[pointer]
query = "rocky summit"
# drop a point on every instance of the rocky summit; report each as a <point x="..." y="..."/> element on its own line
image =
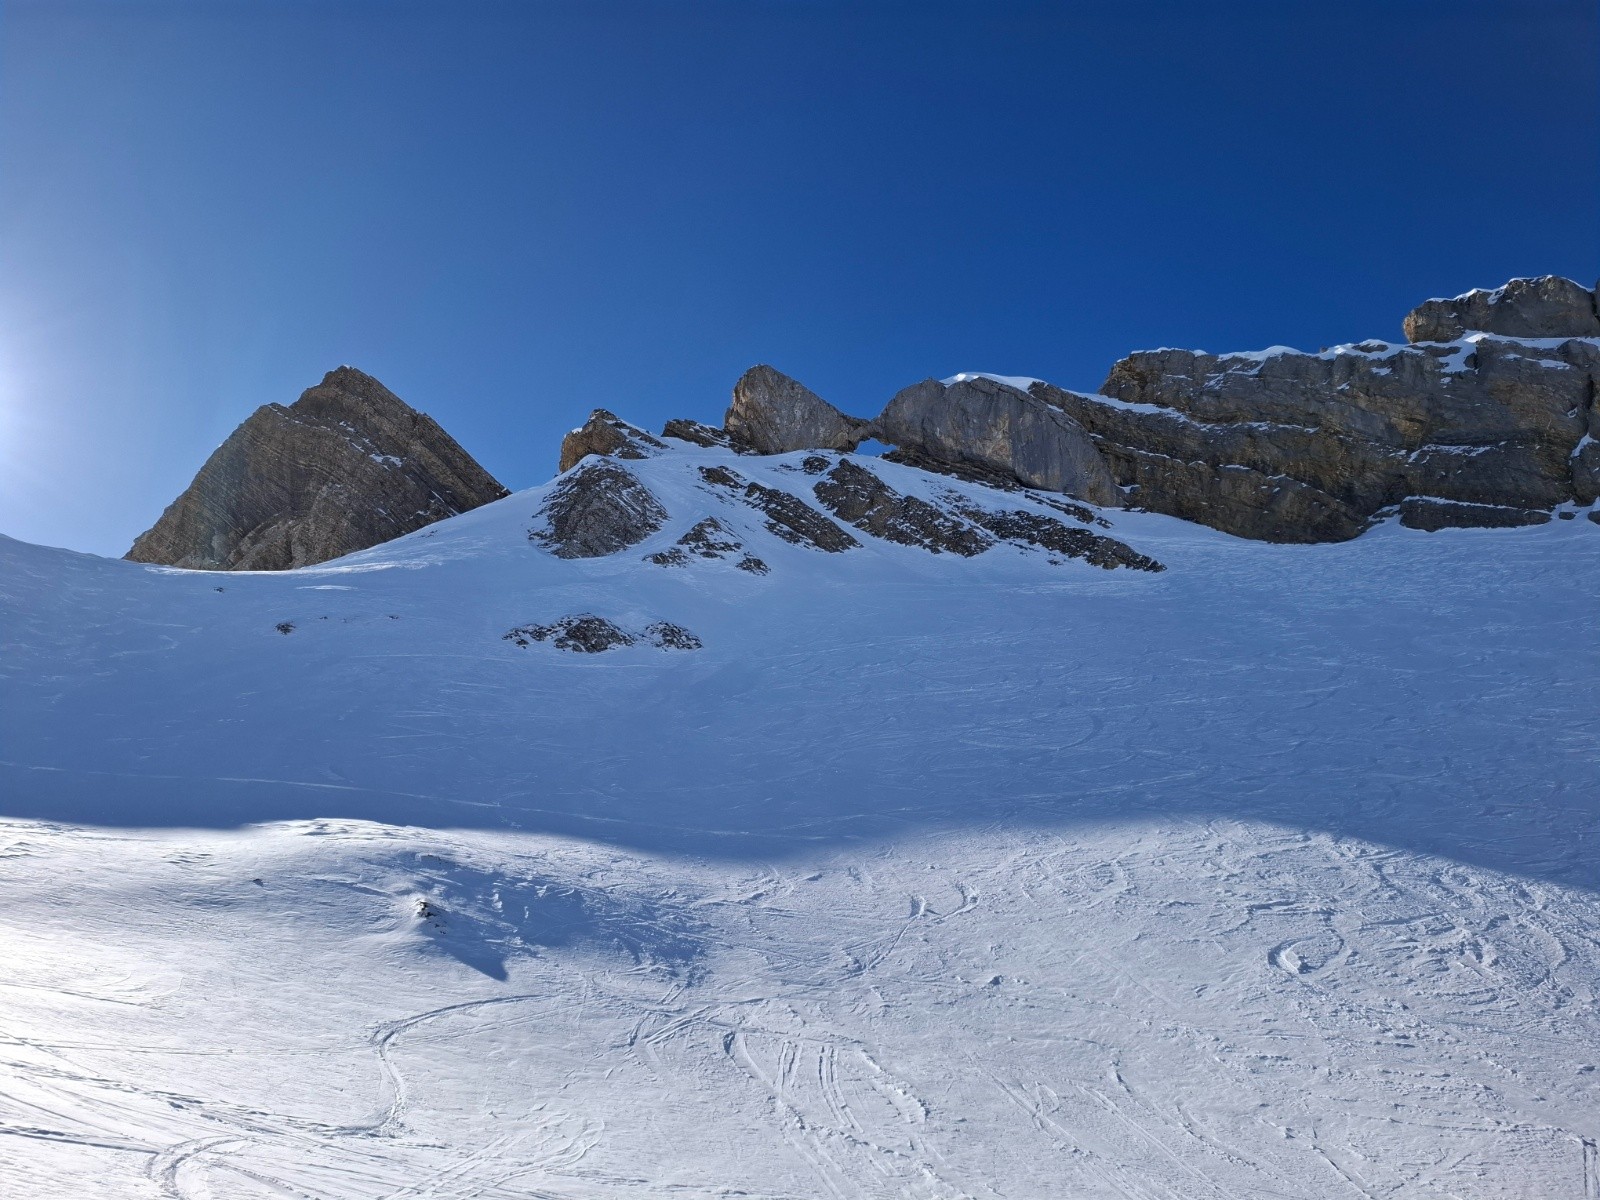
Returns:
<point x="346" y="466"/>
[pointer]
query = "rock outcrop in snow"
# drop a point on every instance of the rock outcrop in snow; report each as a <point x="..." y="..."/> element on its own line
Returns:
<point x="599" y="509"/>
<point x="605" y="433"/>
<point x="709" y="539"/>
<point x="786" y="515"/>
<point x="585" y="633"/>
<point x="346" y="466"/>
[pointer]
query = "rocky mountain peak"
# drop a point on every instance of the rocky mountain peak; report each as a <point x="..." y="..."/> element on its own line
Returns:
<point x="348" y="394"/>
<point x="346" y="466"/>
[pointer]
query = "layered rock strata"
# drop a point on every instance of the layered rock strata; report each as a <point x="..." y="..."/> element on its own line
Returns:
<point x="1292" y="447"/>
<point x="346" y="466"/>
<point x="1488" y="418"/>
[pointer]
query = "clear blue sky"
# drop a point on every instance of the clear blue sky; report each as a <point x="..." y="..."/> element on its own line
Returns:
<point x="513" y="213"/>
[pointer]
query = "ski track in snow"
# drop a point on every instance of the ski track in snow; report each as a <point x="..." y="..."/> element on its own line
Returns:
<point x="1270" y="876"/>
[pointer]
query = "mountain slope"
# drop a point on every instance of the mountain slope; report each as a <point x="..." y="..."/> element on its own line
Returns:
<point x="936" y="875"/>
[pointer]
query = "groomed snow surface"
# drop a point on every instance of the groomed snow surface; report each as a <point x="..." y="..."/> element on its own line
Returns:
<point x="1272" y="875"/>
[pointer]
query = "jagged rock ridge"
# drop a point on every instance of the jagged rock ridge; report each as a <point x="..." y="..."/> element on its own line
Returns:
<point x="1489" y="418"/>
<point x="346" y="466"/>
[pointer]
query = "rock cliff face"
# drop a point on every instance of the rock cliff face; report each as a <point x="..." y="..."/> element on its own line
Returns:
<point x="599" y="509"/>
<point x="773" y="414"/>
<point x="347" y="466"/>
<point x="1546" y="307"/>
<point x="996" y="431"/>
<point x="1294" y="447"/>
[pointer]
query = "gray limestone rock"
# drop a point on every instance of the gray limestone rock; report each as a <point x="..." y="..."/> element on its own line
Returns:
<point x="585" y="633"/>
<point x="982" y="427"/>
<point x="598" y="509"/>
<point x="1586" y="457"/>
<point x="774" y="414"/>
<point x="1545" y="307"/>
<point x="1293" y="447"/>
<point x="346" y="466"/>
<point x="606" y="434"/>
<point x="666" y="636"/>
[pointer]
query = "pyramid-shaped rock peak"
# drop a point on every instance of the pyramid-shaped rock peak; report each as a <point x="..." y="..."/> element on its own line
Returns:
<point x="346" y="466"/>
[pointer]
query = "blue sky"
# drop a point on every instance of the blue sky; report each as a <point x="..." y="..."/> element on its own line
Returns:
<point x="514" y="213"/>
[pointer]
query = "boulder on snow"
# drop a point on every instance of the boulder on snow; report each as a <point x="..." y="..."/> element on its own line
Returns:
<point x="346" y="466"/>
<point x="774" y="414"/>
<point x="1544" y="307"/>
<point x="992" y="429"/>
<point x="606" y="434"/>
<point x="598" y="509"/>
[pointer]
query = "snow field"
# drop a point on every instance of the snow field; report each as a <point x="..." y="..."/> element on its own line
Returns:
<point x="1270" y="875"/>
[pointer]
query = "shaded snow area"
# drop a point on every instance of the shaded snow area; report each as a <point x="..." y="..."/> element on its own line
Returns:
<point x="1273" y="874"/>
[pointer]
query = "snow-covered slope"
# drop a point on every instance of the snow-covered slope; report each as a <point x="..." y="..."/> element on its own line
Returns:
<point x="1271" y="874"/>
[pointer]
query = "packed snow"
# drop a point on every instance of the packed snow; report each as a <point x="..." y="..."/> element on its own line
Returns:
<point x="1271" y="875"/>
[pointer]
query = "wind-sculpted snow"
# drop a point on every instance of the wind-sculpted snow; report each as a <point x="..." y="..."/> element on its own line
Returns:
<point x="1269" y="874"/>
